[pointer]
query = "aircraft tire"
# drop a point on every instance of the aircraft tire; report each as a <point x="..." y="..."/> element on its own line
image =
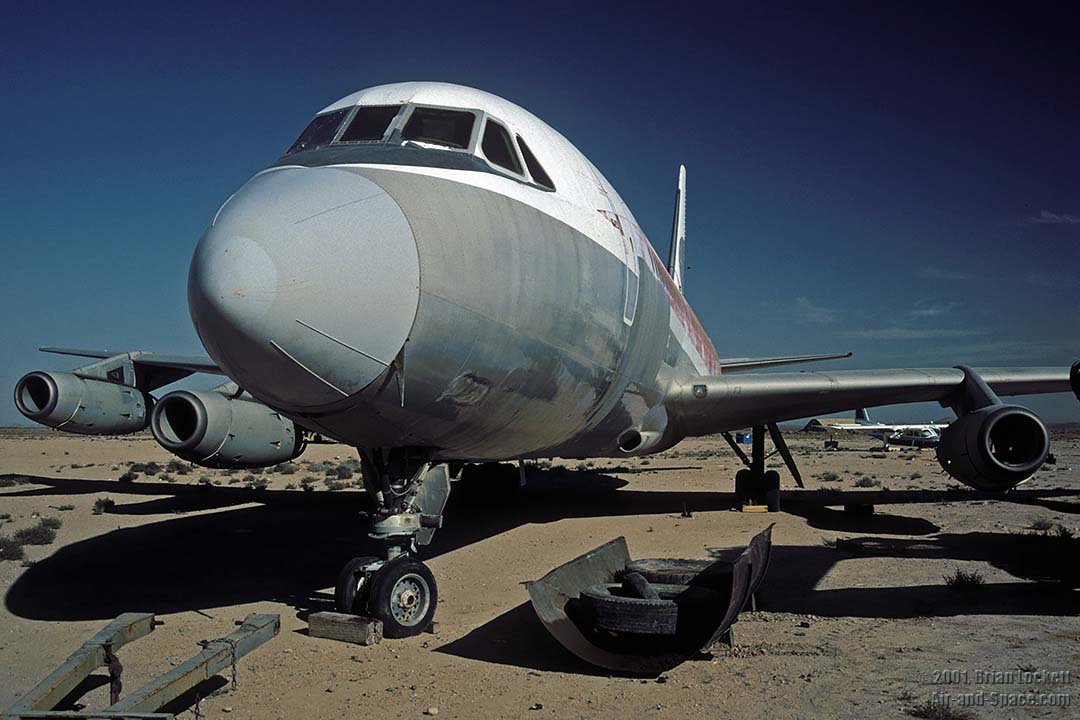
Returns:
<point x="350" y="591"/>
<point x="673" y="571"/>
<point x="404" y="596"/>
<point x="618" y="613"/>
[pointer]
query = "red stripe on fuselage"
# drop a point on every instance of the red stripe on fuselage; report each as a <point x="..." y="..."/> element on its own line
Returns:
<point x="686" y="315"/>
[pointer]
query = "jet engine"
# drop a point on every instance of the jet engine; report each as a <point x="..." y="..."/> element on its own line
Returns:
<point x="994" y="448"/>
<point x="219" y="431"/>
<point x="82" y="405"/>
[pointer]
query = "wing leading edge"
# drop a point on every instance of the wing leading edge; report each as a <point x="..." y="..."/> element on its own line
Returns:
<point x="191" y="363"/>
<point x="715" y="404"/>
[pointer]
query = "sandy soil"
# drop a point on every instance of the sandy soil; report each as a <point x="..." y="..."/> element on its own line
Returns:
<point x="858" y="629"/>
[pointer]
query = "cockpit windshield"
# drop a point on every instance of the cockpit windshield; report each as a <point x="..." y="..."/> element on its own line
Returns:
<point x="319" y="131"/>
<point x="369" y="124"/>
<point x="452" y="128"/>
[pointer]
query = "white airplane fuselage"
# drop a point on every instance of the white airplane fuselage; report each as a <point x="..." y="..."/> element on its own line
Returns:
<point x="401" y="293"/>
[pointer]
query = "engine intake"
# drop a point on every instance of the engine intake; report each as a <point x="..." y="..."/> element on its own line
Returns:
<point x="994" y="448"/>
<point x="82" y="405"/>
<point x="216" y="431"/>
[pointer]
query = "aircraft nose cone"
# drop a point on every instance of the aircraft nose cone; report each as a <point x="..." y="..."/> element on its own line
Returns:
<point x="305" y="286"/>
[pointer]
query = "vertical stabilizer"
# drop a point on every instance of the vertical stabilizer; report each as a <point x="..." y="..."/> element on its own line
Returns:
<point x="861" y="414"/>
<point x="677" y="256"/>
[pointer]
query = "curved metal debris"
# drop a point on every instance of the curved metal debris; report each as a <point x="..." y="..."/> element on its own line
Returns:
<point x="555" y="598"/>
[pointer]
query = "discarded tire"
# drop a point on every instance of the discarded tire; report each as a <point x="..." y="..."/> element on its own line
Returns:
<point x="672" y="571"/>
<point x="613" y="610"/>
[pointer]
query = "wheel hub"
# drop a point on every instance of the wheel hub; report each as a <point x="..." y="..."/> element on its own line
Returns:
<point x="409" y="599"/>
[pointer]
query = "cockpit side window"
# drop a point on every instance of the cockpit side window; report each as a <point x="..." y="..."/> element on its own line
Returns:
<point x="498" y="147"/>
<point x="452" y="128"/>
<point x="535" y="168"/>
<point x="320" y="131"/>
<point x="369" y="124"/>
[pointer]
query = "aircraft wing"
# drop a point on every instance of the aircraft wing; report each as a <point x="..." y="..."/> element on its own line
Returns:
<point x="191" y="363"/>
<point x="740" y="364"/>
<point x="715" y="404"/>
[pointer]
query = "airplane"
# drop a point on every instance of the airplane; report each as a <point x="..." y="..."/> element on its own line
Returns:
<point x="920" y="435"/>
<point x="436" y="277"/>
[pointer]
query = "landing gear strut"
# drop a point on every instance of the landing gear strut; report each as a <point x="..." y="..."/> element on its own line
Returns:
<point x="410" y="493"/>
<point x="753" y="484"/>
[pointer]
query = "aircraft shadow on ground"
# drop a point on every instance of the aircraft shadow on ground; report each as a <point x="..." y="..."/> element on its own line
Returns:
<point x="293" y="543"/>
<point x="517" y="638"/>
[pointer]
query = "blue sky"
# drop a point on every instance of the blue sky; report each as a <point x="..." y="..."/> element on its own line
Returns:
<point x="901" y="183"/>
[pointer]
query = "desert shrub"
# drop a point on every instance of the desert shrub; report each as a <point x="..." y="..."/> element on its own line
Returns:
<point x="290" y="486"/>
<point x="205" y="480"/>
<point x="308" y="483"/>
<point x="965" y="580"/>
<point x="333" y="484"/>
<point x="544" y="464"/>
<point x="1042" y="525"/>
<point x="645" y="461"/>
<point x="10" y="480"/>
<point x="127" y="477"/>
<point x="1063" y="532"/>
<point x="10" y="550"/>
<point x="4" y="517"/>
<point x="174" y="466"/>
<point x="343" y="472"/>
<point x="285" y="468"/>
<point x="149" y="469"/>
<point x="53" y="523"/>
<point x="934" y="711"/>
<point x="830" y="476"/>
<point x="166" y="477"/>
<point x="915" y="476"/>
<point x="581" y="467"/>
<point x="866" y="482"/>
<point x="319" y="467"/>
<point x="62" y="508"/>
<point x="38" y="534"/>
<point x="256" y="482"/>
<point x="233" y="480"/>
<point x="103" y="505"/>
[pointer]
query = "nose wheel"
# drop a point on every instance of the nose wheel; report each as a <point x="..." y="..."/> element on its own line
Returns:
<point x="397" y="588"/>
<point x="401" y="593"/>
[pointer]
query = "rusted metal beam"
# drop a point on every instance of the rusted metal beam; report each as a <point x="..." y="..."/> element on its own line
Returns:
<point x="88" y="658"/>
<point x="87" y="715"/>
<point x="218" y="655"/>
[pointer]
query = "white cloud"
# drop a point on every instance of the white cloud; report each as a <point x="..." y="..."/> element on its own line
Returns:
<point x="1046" y="217"/>
<point x="1052" y="280"/>
<point x="936" y="273"/>
<point x="903" y="333"/>
<point x="808" y="312"/>
<point x="930" y="308"/>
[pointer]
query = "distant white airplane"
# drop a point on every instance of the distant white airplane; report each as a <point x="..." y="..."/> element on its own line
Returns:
<point x="436" y="277"/>
<point x="919" y="435"/>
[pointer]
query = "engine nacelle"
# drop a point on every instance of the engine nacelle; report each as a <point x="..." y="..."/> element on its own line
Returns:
<point x="82" y="405"/>
<point x="994" y="448"/>
<point x="211" y="429"/>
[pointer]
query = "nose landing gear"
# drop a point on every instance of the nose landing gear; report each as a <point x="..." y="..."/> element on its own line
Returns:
<point x="397" y="589"/>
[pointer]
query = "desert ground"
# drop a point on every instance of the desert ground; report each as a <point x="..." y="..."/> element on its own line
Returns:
<point x="855" y="619"/>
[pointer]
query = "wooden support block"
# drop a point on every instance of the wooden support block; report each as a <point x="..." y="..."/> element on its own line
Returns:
<point x="755" y="508"/>
<point x="356" y="629"/>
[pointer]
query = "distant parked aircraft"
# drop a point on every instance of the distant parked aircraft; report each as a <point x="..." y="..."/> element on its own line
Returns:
<point x="920" y="435"/>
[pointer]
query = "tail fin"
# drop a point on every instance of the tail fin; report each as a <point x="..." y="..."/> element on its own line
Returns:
<point x="861" y="414"/>
<point x="677" y="255"/>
